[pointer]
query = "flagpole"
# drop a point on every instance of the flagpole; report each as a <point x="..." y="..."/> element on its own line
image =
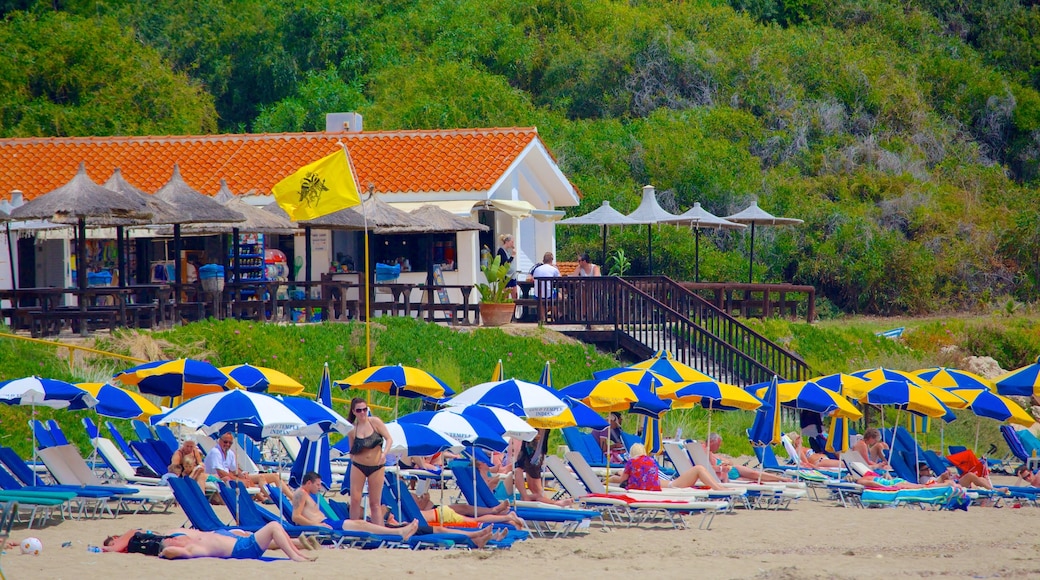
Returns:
<point x="364" y="214"/>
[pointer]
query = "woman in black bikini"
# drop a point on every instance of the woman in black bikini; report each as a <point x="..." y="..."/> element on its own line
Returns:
<point x="367" y="458"/>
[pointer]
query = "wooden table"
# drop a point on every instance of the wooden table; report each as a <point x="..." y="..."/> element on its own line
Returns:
<point x="455" y="312"/>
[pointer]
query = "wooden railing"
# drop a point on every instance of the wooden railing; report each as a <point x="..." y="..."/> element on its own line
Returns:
<point x="651" y="325"/>
<point x="678" y="297"/>
<point x="757" y="300"/>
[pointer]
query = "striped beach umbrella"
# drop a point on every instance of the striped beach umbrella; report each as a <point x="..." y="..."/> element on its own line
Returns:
<point x="254" y="414"/>
<point x="500" y="421"/>
<point x="397" y="380"/>
<point x="542" y="407"/>
<point x="263" y="380"/>
<point x="119" y="403"/>
<point x="410" y="439"/>
<point x="765" y="430"/>
<point x="666" y="366"/>
<point x="809" y="396"/>
<point x="467" y="429"/>
<point x="986" y="403"/>
<point x="183" y="377"/>
<point x="1021" y="382"/>
<point x="947" y="378"/>
<point x="605" y="395"/>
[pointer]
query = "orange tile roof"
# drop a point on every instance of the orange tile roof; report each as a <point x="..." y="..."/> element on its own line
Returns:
<point x="391" y="161"/>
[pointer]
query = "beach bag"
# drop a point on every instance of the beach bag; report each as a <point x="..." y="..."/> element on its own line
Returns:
<point x="958" y="500"/>
<point x="146" y="472"/>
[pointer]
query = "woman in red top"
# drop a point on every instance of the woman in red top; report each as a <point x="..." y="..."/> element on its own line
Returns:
<point x="641" y="473"/>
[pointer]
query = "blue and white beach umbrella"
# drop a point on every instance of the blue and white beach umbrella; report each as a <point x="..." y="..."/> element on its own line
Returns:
<point x="254" y="414"/>
<point x="499" y="420"/>
<point x="315" y="454"/>
<point x="468" y="430"/>
<point x="320" y="420"/>
<point x="411" y="439"/>
<point x="518" y="397"/>
<point x="37" y="391"/>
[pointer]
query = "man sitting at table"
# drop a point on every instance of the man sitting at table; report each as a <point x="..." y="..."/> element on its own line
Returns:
<point x="544" y="270"/>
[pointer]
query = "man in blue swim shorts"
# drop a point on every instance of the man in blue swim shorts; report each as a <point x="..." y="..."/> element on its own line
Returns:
<point x="237" y="544"/>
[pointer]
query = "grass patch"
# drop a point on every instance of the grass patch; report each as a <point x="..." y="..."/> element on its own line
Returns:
<point x="466" y="357"/>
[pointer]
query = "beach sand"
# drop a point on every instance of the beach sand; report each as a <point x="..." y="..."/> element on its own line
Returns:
<point x="809" y="540"/>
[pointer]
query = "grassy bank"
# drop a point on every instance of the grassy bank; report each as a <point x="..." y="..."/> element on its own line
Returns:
<point x="465" y="358"/>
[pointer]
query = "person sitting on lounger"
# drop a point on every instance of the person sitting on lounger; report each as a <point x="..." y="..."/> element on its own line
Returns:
<point x="872" y="449"/>
<point x="221" y="463"/>
<point x="642" y="473"/>
<point x="613" y="444"/>
<point x="187" y="462"/>
<point x="925" y="476"/>
<point x="874" y="480"/>
<point x="1023" y="472"/>
<point x="461" y="513"/>
<point x="807" y="458"/>
<point x="307" y="513"/>
<point x="727" y="470"/>
<point x="185" y="543"/>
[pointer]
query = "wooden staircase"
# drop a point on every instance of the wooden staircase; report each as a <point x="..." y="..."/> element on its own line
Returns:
<point x="640" y="316"/>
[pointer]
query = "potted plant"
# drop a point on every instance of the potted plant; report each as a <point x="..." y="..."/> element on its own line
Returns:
<point x="496" y="299"/>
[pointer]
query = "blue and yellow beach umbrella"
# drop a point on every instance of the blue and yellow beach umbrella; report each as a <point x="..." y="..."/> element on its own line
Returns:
<point x="668" y="367"/>
<point x="985" y="403"/>
<point x="1022" y="382"/>
<point x="398" y="380"/>
<point x="947" y="378"/>
<point x="183" y="377"/>
<point x="263" y="380"/>
<point x="119" y="403"/>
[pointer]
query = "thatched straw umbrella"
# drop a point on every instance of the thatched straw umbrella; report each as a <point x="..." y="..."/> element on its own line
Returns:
<point x="81" y="199"/>
<point x="256" y="220"/>
<point x="192" y="208"/>
<point x="162" y="213"/>
<point x="433" y="219"/>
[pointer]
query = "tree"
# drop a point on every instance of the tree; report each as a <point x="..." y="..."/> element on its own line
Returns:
<point x="74" y="76"/>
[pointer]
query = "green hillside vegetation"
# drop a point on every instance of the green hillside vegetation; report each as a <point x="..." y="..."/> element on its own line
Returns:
<point x="467" y="358"/>
<point x="905" y="134"/>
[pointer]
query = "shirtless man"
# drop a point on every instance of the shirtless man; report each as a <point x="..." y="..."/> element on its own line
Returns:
<point x="1023" y="472"/>
<point x="872" y="449"/>
<point x="184" y="543"/>
<point x="307" y="513"/>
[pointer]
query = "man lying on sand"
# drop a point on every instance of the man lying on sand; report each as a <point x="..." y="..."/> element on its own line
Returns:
<point x="185" y="543"/>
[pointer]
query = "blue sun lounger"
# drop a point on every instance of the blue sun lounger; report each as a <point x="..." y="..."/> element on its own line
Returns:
<point x="120" y="442"/>
<point x="409" y="510"/>
<point x="479" y="494"/>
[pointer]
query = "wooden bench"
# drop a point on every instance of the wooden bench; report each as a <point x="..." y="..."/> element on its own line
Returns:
<point x="21" y="317"/>
<point x="50" y="322"/>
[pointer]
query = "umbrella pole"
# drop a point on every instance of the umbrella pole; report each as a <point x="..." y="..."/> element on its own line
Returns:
<point x="978" y="425"/>
<point x="121" y="255"/>
<point x="696" y="254"/>
<point x="650" y="245"/>
<point x="368" y="297"/>
<point x="177" y="266"/>
<point x="14" y="273"/>
<point x="751" y="263"/>
<point x="603" y="262"/>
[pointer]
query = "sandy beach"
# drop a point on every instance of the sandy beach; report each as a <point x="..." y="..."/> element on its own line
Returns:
<point x="809" y="540"/>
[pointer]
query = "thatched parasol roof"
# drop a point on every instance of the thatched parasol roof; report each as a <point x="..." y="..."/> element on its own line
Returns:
<point x="257" y="220"/>
<point x="435" y="219"/>
<point x="82" y="198"/>
<point x="4" y="217"/>
<point x="192" y="206"/>
<point x="379" y="213"/>
<point x="162" y="212"/>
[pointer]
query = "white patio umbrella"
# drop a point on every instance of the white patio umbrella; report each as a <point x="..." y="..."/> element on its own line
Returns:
<point x="603" y="216"/>
<point x="755" y="215"/>
<point x="697" y="217"/>
<point x="650" y="212"/>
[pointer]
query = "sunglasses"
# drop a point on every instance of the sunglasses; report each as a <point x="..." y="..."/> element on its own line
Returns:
<point x="360" y="410"/>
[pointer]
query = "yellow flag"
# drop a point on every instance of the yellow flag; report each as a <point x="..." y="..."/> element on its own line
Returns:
<point x="318" y="189"/>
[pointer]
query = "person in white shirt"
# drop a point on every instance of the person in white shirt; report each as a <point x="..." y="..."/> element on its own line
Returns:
<point x="544" y="270"/>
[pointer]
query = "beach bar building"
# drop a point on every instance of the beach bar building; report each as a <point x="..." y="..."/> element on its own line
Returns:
<point x="504" y="178"/>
